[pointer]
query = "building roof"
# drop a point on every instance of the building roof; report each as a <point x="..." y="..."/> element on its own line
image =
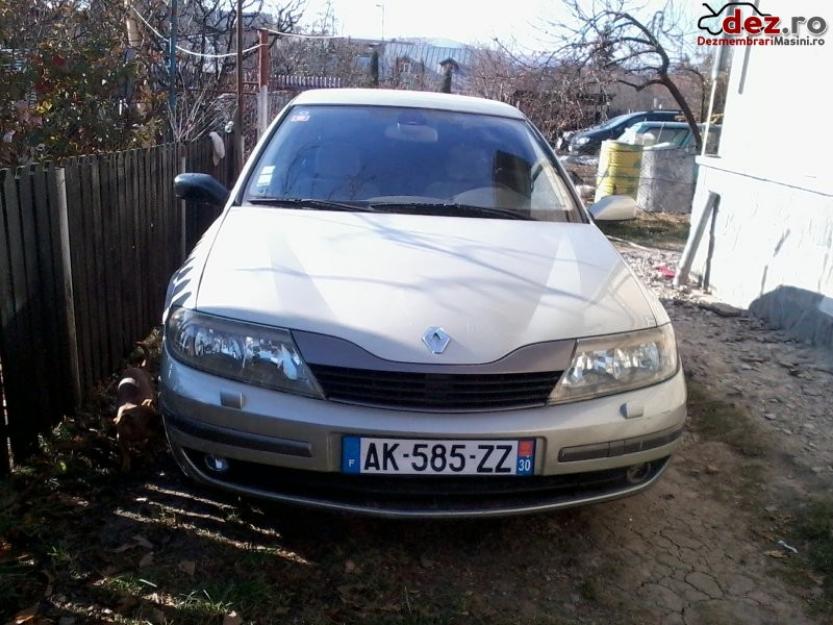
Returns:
<point x="425" y="52"/>
<point x="412" y="99"/>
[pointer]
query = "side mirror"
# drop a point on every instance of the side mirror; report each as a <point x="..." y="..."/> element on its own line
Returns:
<point x="613" y="208"/>
<point x="200" y="188"/>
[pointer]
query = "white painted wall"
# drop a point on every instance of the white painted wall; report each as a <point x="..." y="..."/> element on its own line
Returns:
<point x="773" y="239"/>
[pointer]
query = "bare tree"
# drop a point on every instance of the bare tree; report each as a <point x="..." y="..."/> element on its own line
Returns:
<point x="609" y="35"/>
<point x="207" y="30"/>
<point x="556" y="94"/>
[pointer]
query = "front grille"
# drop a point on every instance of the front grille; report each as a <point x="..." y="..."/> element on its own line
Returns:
<point x="435" y="391"/>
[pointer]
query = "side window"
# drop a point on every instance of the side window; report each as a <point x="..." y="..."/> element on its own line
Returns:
<point x="675" y="136"/>
<point x="630" y="122"/>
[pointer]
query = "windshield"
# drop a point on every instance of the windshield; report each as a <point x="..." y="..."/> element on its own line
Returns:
<point x="410" y="160"/>
<point x="657" y="133"/>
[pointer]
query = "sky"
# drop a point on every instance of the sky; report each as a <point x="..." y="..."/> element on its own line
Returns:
<point x="466" y="21"/>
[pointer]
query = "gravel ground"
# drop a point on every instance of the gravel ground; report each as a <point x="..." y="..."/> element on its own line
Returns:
<point x="784" y="383"/>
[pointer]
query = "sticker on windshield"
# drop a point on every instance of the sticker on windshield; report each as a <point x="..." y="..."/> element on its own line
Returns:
<point x="300" y="116"/>
<point x="264" y="179"/>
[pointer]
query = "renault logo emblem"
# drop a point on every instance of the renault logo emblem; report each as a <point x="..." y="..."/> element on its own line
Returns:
<point x="436" y="340"/>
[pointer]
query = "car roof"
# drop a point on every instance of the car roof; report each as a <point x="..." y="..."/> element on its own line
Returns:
<point x="650" y="112"/>
<point x="659" y="122"/>
<point x="408" y="99"/>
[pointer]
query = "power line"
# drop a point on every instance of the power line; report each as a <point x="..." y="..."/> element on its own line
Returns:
<point x="192" y="52"/>
<point x="298" y="35"/>
<point x="230" y="54"/>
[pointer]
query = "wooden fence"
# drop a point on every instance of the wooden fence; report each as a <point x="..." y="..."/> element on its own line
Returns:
<point x="86" y="250"/>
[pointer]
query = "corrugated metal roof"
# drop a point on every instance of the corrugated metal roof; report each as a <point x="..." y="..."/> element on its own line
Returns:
<point x="422" y="52"/>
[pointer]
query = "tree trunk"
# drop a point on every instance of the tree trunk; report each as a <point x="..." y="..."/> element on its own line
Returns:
<point x="686" y="109"/>
<point x="446" y="86"/>
<point x="374" y="68"/>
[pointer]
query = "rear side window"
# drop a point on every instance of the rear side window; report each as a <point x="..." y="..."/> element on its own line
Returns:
<point x="666" y="116"/>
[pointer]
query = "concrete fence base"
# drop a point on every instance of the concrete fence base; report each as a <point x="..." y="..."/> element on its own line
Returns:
<point x="666" y="181"/>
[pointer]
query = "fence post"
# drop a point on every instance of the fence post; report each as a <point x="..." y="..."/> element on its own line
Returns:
<point x="694" y="237"/>
<point x="264" y="66"/>
<point x="69" y="298"/>
<point x="183" y="216"/>
<point x="5" y="449"/>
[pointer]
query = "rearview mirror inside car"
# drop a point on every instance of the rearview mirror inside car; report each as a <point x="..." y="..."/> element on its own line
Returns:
<point x="200" y="188"/>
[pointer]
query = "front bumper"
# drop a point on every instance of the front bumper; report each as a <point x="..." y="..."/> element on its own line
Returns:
<point x="288" y="448"/>
<point x="585" y="148"/>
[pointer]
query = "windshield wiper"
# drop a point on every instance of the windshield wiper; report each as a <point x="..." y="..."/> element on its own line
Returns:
<point x="451" y="208"/>
<point x="308" y="203"/>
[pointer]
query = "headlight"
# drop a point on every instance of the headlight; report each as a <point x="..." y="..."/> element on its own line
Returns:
<point x="618" y="362"/>
<point x="582" y="140"/>
<point x="247" y="352"/>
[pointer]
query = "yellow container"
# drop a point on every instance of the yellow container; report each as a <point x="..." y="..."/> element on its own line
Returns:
<point x="618" y="172"/>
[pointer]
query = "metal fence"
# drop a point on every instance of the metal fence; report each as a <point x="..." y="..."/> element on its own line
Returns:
<point x="86" y="250"/>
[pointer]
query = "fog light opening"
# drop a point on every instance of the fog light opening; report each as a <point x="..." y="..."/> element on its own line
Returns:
<point x="638" y="473"/>
<point x="216" y="464"/>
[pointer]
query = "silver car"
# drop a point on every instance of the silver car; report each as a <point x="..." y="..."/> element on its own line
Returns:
<point x="405" y="310"/>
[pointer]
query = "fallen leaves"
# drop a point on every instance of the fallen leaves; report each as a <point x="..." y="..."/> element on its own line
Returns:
<point x="232" y="618"/>
<point x="188" y="567"/>
<point x="142" y="541"/>
<point x="26" y="616"/>
<point x="137" y="541"/>
<point x="126" y="604"/>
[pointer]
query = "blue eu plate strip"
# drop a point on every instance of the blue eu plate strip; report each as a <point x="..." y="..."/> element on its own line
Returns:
<point x="526" y="457"/>
<point x="350" y="454"/>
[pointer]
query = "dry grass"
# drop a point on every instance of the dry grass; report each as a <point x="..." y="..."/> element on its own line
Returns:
<point x="666" y="231"/>
<point x="718" y="419"/>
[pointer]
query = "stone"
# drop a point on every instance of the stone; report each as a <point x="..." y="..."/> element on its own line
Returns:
<point x="704" y="583"/>
<point x="722" y="309"/>
<point x="662" y="596"/>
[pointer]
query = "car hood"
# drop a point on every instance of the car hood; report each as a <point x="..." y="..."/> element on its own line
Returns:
<point x="380" y="280"/>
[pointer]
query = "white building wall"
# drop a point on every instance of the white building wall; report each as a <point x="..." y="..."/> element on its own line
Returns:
<point x="773" y="243"/>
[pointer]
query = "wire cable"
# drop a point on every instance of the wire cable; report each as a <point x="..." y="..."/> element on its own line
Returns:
<point x="192" y="52"/>
<point x="299" y="35"/>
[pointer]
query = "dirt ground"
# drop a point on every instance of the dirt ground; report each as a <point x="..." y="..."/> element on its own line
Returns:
<point x="81" y="543"/>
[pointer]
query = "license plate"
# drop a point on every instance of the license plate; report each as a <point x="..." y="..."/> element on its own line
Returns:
<point x="398" y="456"/>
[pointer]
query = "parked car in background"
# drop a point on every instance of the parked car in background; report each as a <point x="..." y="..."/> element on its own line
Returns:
<point x="405" y="310"/>
<point x="674" y="134"/>
<point x="589" y="141"/>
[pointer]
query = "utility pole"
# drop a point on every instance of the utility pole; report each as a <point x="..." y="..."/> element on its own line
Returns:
<point x="238" y="119"/>
<point x="717" y="61"/>
<point x="381" y="5"/>
<point x="264" y="69"/>
<point x="172" y="65"/>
